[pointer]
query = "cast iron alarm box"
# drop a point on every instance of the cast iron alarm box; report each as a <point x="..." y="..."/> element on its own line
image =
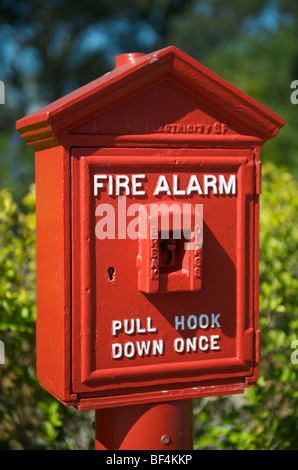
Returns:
<point x="147" y="202"/>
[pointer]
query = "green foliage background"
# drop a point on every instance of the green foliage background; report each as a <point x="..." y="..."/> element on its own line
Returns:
<point x="44" y="54"/>
<point x="29" y="417"/>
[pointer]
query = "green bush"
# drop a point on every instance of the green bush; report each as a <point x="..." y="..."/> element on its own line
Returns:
<point x="265" y="417"/>
<point x="29" y="417"/>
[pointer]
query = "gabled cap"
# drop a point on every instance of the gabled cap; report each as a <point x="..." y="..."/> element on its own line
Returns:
<point x="48" y="126"/>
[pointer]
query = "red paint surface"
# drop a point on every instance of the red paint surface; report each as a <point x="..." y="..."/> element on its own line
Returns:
<point x="125" y="59"/>
<point x="163" y="426"/>
<point x="227" y="278"/>
<point x="161" y="114"/>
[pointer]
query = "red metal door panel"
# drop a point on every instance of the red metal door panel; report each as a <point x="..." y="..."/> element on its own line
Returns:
<point x="125" y="339"/>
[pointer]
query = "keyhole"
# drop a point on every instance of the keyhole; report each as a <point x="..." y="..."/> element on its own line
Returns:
<point x="111" y="271"/>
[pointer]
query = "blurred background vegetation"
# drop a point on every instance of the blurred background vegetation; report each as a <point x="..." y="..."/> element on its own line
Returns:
<point x="49" y="48"/>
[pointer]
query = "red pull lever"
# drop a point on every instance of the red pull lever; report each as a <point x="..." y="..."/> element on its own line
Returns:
<point x="169" y="264"/>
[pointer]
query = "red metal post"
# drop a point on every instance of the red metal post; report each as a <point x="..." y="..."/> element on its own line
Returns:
<point x="157" y="426"/>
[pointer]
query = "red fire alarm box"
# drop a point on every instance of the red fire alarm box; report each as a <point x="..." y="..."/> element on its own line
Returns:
<point x="147" y="200"/>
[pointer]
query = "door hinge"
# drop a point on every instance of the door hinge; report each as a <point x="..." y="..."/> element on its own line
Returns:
<point x="257" y="346"/>
<point x="258" y="176"/>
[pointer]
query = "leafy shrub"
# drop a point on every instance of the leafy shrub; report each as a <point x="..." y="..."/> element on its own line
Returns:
<point x="29" y="417"/>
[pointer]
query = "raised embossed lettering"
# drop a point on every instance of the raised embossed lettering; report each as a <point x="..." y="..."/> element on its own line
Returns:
<point x="116" y="127"/>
